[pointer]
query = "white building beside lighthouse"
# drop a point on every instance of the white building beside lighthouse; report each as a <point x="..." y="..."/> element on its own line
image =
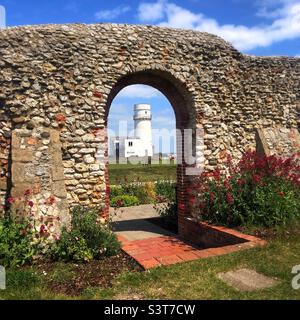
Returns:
<point x="141" y="144"/>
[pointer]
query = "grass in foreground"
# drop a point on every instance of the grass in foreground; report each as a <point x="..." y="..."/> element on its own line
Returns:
<point x="191" y="280"/>
<point x="143" y="173"/>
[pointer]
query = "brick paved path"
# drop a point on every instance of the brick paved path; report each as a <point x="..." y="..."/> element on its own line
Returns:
<point x="152" y="246"/>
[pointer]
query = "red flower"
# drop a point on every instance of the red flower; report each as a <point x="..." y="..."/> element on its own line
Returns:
<point x="240" y="182"/>
<point x="10" y="200"/>
<point x="42" y="229"/>
<point x="27" y="192"/>
<point x="217" y="174"/>
<point x="227" y="184"/>
<point x="30" y="203"/>
<point x="229" y="198"/>
<point x="256" y="178"/>
<point x="120" y="203"/>
<point x="281" y="194"/>
<point x="212" y="196"/>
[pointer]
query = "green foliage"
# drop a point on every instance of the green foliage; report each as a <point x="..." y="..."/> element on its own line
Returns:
<point x="71" y="247"/>
<point x="167" y="211"/>
<point x="21" y="279"/>
<point x="145" y="192"/>
<point x="137" y="190"/>
<point x="88" y="239"/>
<point x="99" y="237"/>
<point x="124" y="201"/>
<point x="166" y="189"/>
<point x="116" y="191"/>
<point x="16" y="248"/>
<point x="259" y="191"/>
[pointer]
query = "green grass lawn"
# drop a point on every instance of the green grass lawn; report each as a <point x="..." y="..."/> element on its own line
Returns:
<point x="140" y="172"/>
<point x="191" y="280"/>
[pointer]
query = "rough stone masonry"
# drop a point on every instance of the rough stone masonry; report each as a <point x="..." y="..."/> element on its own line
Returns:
<point x="57" y="83"/>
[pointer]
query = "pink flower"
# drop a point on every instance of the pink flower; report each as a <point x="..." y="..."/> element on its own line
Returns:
<point x="240" y="182"/>
<point x="56" y="237"/>
<point x="10" y="200"/>
<point x="256" y="178"/>
<point x="30" y="203"/>
<point x="42" y="229"/>
<point x="229" y="198"/>
<point x="27" y="192"/>
<point x="120" y="203"/>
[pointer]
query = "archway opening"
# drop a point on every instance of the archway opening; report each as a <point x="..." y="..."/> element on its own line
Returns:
<point x="128" y="119"/>
<point x="141" y="136"/>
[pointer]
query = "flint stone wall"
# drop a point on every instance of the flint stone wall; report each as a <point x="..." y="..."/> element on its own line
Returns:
<point x="64" y="77"/>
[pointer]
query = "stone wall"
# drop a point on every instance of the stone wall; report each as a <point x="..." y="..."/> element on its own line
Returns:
<point x="37" y="174"/>
<point x="278" y="140"/>
<point x="64" y="78"/>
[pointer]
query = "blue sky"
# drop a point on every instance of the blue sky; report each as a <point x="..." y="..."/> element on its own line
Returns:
<point x="260" y="27"/>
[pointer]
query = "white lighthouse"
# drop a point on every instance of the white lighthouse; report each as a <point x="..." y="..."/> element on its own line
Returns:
<point x="140" y="145"/>
<point x="142" y="128"/>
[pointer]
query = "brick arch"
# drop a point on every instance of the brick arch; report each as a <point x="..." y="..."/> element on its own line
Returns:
<point x="175" y="90"/>
<point x="183" y="104"/>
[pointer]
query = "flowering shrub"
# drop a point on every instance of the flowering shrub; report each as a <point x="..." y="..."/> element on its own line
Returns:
<point x="15" y="243"/>
<point x="71" y="247"/>
<point x="124" y="201"/>
<point x="23" y="235"/>
<point x="257" y="191"/>
<point x="26" y="235"/>
<point x="90" y="238"/>
<point x="145" y="192"/>
<point x="166" y="189"/>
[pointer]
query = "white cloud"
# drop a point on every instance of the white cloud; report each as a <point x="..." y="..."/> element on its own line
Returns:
<point x="273" y="8"/>
<point x="139" y="91"/>
<point x="111" y="14"/>
<point x="285" y="23"/>
<point x="151" y="12"/>
<point x="2" y="17"/>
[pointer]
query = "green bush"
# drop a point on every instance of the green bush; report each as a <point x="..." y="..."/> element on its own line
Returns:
<point x="16" y="248"/>
<point x="137" y="190"/>
<point x="168" y="212"/>
<point x="257" y="192"/>
<point x="87" y="240"/>
<point x="166" y="189"/>
<point x="116" y="191"/>
<point x="145" y="192"/>
<point x="124" y="201"/>
<point x="71" y="247"/>
<point x="99" y="238"/>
